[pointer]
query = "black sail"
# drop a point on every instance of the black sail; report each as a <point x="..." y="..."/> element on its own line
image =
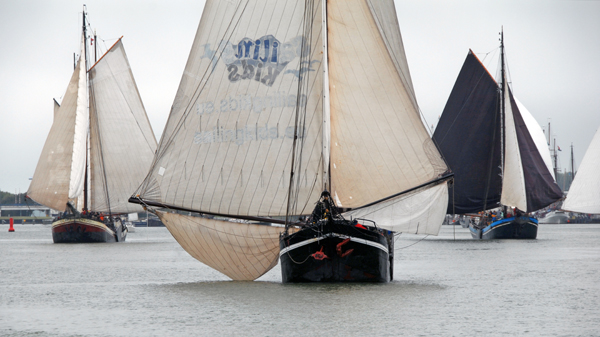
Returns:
<point x="468" y="136"/>
<point x="541" y="189"/>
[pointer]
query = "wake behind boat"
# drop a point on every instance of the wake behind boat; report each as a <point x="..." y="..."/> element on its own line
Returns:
<point x="498" y="154"/>
<point x="97" y="152"/>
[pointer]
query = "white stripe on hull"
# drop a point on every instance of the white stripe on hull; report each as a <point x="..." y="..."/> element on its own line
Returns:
<point x="335" y="235"/>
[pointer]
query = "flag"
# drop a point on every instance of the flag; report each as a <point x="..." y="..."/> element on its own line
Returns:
<point x="559" y="149"/>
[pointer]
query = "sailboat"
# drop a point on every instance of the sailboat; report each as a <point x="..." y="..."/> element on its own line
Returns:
<point x="97" y="152"/>
<point x="584" y="193"/>
<point x="295" y="135"/>
<point x="498" y="153"/>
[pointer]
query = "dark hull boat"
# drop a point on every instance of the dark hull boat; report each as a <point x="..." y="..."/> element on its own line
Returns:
<point x="257" y="137"/>
<point x="84" y="230"/>
<point x="83" y="166"/>
<point x="510" y="228"/>
<point x="337" y="250"/>
<point x="498" y="154"/>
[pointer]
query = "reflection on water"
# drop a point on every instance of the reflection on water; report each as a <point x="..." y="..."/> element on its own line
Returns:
<point x="445" y="285"/>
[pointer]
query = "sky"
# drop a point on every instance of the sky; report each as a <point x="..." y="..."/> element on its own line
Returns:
<point x="552" y="50"/>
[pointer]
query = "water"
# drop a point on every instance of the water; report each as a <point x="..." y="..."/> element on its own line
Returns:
<point x="148" y="286"/>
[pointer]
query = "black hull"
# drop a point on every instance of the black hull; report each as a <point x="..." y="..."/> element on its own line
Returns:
<point x="511" y="228"/>
<point x="337" y="252"/>
<point x="84" y="230"/>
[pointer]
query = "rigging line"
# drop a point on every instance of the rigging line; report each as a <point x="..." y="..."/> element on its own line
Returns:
<point x="463" y="106"/>
<point x="412" y="243"/>
<point x="307" y="42"/>
<point x="122" y="92"/>
<point x="139" y="200"/>
<point x="270" y="114"/>
<point x="404" y="77"/>
<point x="203" y="80"/>
<point x="491" y="163"/>
<point x="301" y="82"/>
<point x="440" y="180"/>
<point x="101" y="151"/>
<point x="167" y="140"/>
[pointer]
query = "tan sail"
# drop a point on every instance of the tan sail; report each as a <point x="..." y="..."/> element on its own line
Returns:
<point x="242" y="251"/>
<point x="59" y="174"/>
<point x="379" y="146"/>
<point x="227" y="146"/>
<point x="118" y="124"/>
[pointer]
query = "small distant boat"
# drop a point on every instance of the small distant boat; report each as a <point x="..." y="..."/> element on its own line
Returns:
<point x="584" y="193"/>
<point x="498" y="154"/>
<point x="98" y="150"/>
<point x="554" y="217"/>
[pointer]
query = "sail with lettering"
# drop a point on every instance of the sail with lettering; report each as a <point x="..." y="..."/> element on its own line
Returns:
<point x="497" y="152"/>
<point x="584" y="193"/>
<point x="295" y="131"/>
<point x="99" y="148"/>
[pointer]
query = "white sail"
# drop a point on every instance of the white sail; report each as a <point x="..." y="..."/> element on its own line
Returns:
<point x="513" y="184"/>
<point x="82" y="123"/>
<point x="227" y="146"/>
<point x="118" y="124"/>
<point x="241" y="251"/>
<point x="537" y="134"/>
<point x="584" y="193"/>
<point x="53" y="183"/>
<point x="418" y="212"/>
<point x="379" y="146"/>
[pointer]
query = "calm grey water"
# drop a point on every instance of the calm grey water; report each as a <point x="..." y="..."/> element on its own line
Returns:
<point x="448" y="285"/>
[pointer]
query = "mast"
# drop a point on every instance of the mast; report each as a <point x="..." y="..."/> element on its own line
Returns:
<point x="326" y="104"/>
<point x="95" y="47"/>
<point x="85" y="183"/>
<point x="502" y="102"/>
<point x="572" y="164"/>
<point x="555" y="155"/>
<point x="502" y="106"/>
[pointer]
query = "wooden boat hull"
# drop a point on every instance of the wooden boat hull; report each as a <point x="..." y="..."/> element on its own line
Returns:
<point x="83" y="230"/>
<point x="337" y="253"/>
<point x="510" y="228"/>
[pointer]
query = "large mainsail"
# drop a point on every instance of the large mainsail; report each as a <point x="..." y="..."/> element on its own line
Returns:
<point x="118" y="123"/>
<point x="584" y="193"/>
<point x="226" y="147"/>
<point x="249" y="130"/>
<point x="59" y="174"/>
<point x="468" y="135"/>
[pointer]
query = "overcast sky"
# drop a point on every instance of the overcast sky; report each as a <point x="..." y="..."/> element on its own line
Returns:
<point x="552" y="47"/>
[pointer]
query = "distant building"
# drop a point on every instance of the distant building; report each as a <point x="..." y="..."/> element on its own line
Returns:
<point x="26" y="211"/>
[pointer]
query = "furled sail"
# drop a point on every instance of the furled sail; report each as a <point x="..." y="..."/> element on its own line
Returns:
<point x="118" y="123"/>
<point x="59" y="174"/>
<point x="584" y="193"/>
